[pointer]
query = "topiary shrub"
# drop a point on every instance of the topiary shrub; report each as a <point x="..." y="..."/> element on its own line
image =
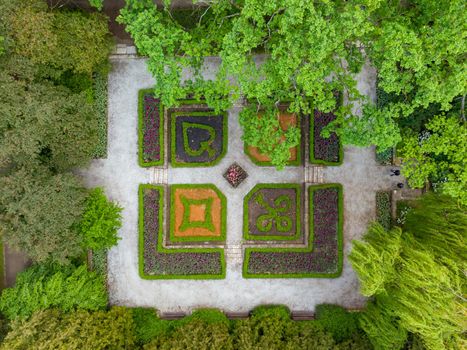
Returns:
<point x="337" y="321"/>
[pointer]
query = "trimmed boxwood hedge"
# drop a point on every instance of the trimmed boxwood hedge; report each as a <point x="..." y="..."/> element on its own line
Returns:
<point x="172" y="117"/>
<point x="301" y="253"/>
<point x="198" y="238"/>
<point x="169" y="260"/>
<point x="141" y="128"/>
<point x="254" y="190"/>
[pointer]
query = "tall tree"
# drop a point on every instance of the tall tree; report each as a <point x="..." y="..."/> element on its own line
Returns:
<point x="416" y="290"/>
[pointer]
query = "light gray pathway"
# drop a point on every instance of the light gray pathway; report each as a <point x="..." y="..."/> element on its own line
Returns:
<point x="120" y="175"/>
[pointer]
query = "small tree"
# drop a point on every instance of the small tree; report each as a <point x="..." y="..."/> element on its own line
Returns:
<point x="100" y="222"/>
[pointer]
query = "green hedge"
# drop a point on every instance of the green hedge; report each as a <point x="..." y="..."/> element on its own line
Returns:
<point x="176" y="254"/>
<point x="173" y="152"/>
<point x="197" y="238"/>
<point x="254" y="190"/>
<point x="304" y="252"/>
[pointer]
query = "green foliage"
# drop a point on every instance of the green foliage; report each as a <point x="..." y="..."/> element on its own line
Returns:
<point x="43" y="123"/>
<point x="438" y="155"/>
<point x="383" y="209"/>
<point x="304" y="42"/>
<point x="59" y="39"/>
<point x="98" y="4"/>
<point x="416" y="290"/>
<point x="272" y="328"/>
<point x="99" y="262"/>
<point x="265" y="133"/>
<point x="100" y="103"/>
<point x="385" y="157"/>
<point x="441" y="224"/>
<point x="381" y="326"/>
<point x="337" y="321"/>
<point x="54" y="329"/>
<point x="38" y="211"/>
<point x="2" y="47"/>
<point x="47" y="286"/>
<point x="100" y="221"/>
<point x="148" y="325"/>
<point x="197" y="334"/>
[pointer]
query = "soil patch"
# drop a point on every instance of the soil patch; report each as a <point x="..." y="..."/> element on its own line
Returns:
<point x="197" y="213"/>
<point x="272" y="212"/>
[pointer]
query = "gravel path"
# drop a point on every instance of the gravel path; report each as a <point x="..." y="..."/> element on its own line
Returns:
<point x="120" y="175"/>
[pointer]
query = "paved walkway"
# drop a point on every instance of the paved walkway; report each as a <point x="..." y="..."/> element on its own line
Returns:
<point x="120" y="175"/>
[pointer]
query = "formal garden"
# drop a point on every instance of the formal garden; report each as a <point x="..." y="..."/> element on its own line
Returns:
<point x="233" y="174"/>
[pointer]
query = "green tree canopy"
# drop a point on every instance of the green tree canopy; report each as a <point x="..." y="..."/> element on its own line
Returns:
<point x="58" y="40"/>
<point x="304" y="52"/>
<point x="38" y="212"/>
<point x="439" y="155"/>
<point x="44" y="123"/>
<point x="78" y="330"/>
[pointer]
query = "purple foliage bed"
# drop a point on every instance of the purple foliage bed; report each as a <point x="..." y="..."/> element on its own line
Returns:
<point x="325" y="149"/>
<point x="323" y="259"/>
<point x="151" y="129"/>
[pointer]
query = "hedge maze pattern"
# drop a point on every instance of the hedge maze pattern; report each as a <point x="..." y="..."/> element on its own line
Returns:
<point x="323" y="257"/>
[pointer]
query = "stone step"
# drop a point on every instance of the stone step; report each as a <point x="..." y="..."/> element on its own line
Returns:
<point x="314" y="174"/>
<point x="160" y="176"/>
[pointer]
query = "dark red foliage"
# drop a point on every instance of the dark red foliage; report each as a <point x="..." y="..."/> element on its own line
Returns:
<point x="151" y="129"/>
<point x="324" y="256"/>
<point x="235" y="175"/>
<point x="162" y="263"/>
<point x="325" y="149"/>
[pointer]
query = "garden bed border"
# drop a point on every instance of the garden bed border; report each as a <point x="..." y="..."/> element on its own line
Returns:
<point x="160" y="247"/>
<point x="309" y="249"/>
